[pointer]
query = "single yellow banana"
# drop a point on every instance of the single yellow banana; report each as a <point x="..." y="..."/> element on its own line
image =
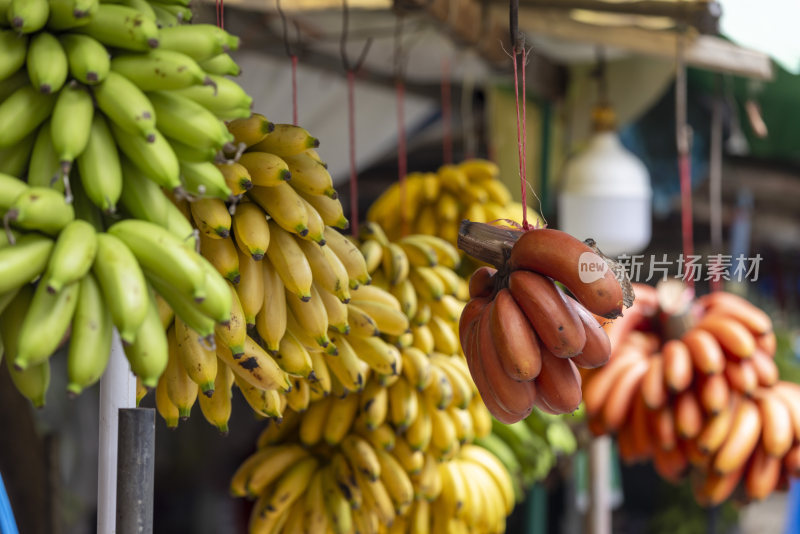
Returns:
<point x="211" y="217"/>
<point x="182" y="391"/>
<point x="250" y="229"/>
<point x="289" y="261"/>
<point x="250" y="287"/>
<point x="222" y="255"/>
<point x="271" y="320"/>
<point x="198" y="360"/>
<point x="216" y="408"/>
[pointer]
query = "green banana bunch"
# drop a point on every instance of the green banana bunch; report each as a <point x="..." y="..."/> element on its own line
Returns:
<point x="97" y="95"/>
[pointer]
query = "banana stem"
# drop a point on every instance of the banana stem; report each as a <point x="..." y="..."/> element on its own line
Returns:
<point x="675" y="304"/>
<point x="487" y="243"/>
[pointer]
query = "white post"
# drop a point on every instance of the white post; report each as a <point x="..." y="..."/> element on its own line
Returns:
<point x="117" y="390"/>
<point x="599" y="516"/>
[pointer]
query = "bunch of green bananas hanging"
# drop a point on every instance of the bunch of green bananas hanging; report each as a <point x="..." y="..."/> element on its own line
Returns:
<point x="436" y="203"/>
<point x="109" y="109"/>
<point x="529" y="448"/>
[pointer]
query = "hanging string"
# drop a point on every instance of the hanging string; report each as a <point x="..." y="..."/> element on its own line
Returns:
<point x="351" y="71"/>
<point x="219" y="4"/>
<point x="399" y="85"/>
<point x="684" y="164"/>
<point x="292" y="57"/>
<point x="447" y="115"/>
<point x="518" y="50"/>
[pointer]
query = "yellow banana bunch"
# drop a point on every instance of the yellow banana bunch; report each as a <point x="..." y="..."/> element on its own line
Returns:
<point x="436" y="203"/>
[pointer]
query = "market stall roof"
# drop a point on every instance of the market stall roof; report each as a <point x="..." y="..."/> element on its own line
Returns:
<point x="564" y="31"/>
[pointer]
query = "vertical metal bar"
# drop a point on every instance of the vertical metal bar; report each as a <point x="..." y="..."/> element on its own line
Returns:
<point x="136" y="470"/>
<point x="117" y="390"/>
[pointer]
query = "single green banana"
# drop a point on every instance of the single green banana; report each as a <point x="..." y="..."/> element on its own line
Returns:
<point x="123" y="284"/>
<point x="10" y="188"/>
<point x="14" y="159"/>
<point x="126" y="105"/>
<point x="42" y="209"/>
<point x="185" y="120"/>
<point x="221" y="65"/>
<point x="14" y="47"/>
<point x="71" y="123"/>
<point x="99" y="166"/>
<point x="34" y="381"/>
<point x="14" y="81"/>
<point x="179" y="9"/>
<point x="200" y="41"/>
<point x="191" y="153"/>
<point x="163" y="254"/>
<point x="45" y="324"/>
<point x="67" y="14"/>
<point x="90" y="344"/>
<point x="221" y="98"/>
<point x="156" y="159"/>
<point x="47" y="63"/>
<point x="204" y="179"/>
<point x="88" y="59"/>
<point x="72" y="256"/>
<point x="122" y="27"/>
<point x="159" y="70"/>
<point x="25" y="109"/>
<point x="149" y="352"/>
<point x="23" y="261"/>
<point x="142" y="6"/>
<point x="217" y="303"/>
<point x="28" y="16"/>
<point x="184" y="307"/>
<point x="164" y="19"/>
<point x="143" y="199"/>
<point x="45" y="167"/>
<point x="85" y="208"/>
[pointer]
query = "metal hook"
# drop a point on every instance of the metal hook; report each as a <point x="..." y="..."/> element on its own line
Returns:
<point x="343" y="43"/>
<point x="285" y="24"/>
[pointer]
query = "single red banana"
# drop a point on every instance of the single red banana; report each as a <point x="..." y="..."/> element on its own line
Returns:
<point x="515" y="397"/>
<point x="481" y="283"/>
<point x="688" y="415"/>
<point x="559" y="383"/>
<point x="623" y="394"/>
<point x="597" y="349"/>
<point x="714" y="393"/>
<point x="514" y="338"/>
<point x="754" y="318"/>
<point x="558" y="326"/>
<point x="742" y="439"/>
<point x="653" y="388"/>
<point x="762" y="474"/>
<point x="778" y="433"/>
<point x="677" y="365"/>
<point x="742" y="376"/>
<point x="707" y="356"/>
<point x="766" y="370"/>
<point x="564" y="258"/>
<point x="732" y="335"/>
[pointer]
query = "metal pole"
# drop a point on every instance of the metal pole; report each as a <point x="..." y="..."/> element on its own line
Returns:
<point x="599" y="517"/>
<point x="117" y="390"/>
<point x="136" y="470"/>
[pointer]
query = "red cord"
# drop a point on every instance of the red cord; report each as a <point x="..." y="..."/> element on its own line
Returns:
<point x="351" y="118"/>
<point x="401" y="153"/>
<point x="220" y="10"/>
<point x="685" y="171"/>
<point x="447" y="123"/>
<point x="294" y="89"/>
<point x="521" y="134"/>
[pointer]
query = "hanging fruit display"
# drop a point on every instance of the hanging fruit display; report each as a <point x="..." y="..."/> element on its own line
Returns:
<point x="436" y="203"/>
<point x="523" y="336"/>
<point x="696" y="391"/>
<point x="115" y="108"/>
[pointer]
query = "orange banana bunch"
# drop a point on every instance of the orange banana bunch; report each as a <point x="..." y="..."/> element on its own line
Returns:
<point x="524" y="338"/>
<point x="709" y="401"/>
